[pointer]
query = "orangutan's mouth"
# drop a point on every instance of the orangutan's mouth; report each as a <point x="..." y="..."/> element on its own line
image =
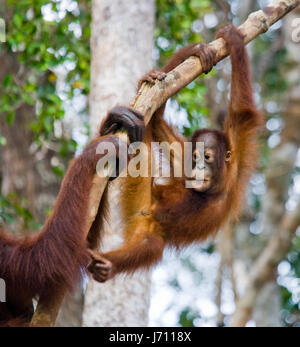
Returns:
<point x="200" y="185"/>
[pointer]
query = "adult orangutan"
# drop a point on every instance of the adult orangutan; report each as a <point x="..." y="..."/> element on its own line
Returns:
<point x="40" y="265"/>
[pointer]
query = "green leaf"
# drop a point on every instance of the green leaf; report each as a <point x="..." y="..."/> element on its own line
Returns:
<point x="17" y="19"/>
<point x="2" y="141"/>
<point x="187" y="317"/>
<point x="28" y="99"/>
<point x="10" y="117"/>
<point x="7" y="80"/>
<point x="58" y="171"/>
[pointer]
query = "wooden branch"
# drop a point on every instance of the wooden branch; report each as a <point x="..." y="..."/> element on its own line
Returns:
<point x="150" y="98"/>
<point x="264" y="269"/>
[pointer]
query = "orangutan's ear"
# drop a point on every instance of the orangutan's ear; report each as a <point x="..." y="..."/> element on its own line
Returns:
<point x="228" y="156"/>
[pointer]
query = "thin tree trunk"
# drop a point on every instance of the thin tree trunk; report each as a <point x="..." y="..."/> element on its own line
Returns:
<point x="121" y="45"/>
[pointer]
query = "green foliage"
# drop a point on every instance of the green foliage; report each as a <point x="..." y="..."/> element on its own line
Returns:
<point x="174" y="20"/>
<point x="187" y="317"/>
<point x="41" y="46"/>
<point x="67" y="146"/>
<point x="273" y="78"/>
<point x="274" y="87"/>
<point x="2" y="141"/>
<point x="291" y="299"/>
<point x="44" y="41"/>
<point x="58" y="171"/>
<point x="174" y="29"/>
<point x="12" y="208"/>
<point x="192" y="99"/>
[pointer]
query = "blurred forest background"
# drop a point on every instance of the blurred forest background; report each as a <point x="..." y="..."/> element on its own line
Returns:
<point x="50" y="105"/>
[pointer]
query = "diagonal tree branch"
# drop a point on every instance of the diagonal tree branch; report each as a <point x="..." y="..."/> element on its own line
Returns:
<point x="150" y="98"/>
<point x="264" y="268"/>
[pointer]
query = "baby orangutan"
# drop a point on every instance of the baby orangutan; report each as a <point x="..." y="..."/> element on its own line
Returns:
<point x="160" y="215"/>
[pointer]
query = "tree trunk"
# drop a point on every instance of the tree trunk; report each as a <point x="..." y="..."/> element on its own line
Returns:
<point x="121" y="45"/>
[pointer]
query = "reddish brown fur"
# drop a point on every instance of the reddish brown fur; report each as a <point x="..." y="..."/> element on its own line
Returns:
<point x="41" y="264"/>
<point x="195" y="216"/>
<point x="171" y="215"/>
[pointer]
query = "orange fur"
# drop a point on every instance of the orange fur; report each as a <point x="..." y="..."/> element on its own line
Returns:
<point x="172" y="215"/>
<point x="41" y="264"/>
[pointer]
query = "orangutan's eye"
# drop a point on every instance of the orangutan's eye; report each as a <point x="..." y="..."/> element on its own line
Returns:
<point x="196" y="156"/>
<point x="209" y="157"/>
